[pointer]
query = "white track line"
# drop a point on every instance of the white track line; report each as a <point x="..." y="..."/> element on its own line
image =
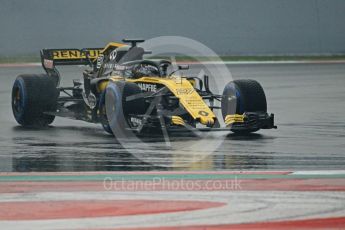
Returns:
<point x="319" y="172"/>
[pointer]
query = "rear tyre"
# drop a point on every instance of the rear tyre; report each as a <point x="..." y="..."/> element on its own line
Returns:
<point x="242" y="96"/>
<point x="32" y="95"/>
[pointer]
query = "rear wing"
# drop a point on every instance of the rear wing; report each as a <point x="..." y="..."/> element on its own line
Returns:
<point x="51" y="58"/>
<point x="55" y="57"/>
<point x="69" y="56"/>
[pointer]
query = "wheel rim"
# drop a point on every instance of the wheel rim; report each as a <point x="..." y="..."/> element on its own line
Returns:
<point x="17" y="100"/>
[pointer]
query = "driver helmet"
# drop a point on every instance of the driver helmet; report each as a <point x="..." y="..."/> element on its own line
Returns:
<point x="145" y="71"/>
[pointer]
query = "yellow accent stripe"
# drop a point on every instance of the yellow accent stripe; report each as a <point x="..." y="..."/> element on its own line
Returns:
<point x="232" y="118"/>
<point x="176" y="120"/>
<point x="112" y="44"/>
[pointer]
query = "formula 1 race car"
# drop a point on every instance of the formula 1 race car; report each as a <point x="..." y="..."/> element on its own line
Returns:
<point x="122" y="90"/>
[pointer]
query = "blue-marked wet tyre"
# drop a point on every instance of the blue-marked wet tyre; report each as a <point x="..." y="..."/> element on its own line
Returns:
<point x="32" y="96"/>
<point x="115" y="108"/>
<point x="243" y="96"/>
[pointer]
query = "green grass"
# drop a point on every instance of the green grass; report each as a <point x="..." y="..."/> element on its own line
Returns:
<point x="30" y="59"/>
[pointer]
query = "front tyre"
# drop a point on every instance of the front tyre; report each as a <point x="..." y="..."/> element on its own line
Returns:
<point x="103" y="115"/>
<point x="120" y="108"/>
<point x="245" y="97"/>
<point x="32" y="96"/>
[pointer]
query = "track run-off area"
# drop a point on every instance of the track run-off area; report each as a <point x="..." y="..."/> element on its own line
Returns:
<point x="173" y="200"/>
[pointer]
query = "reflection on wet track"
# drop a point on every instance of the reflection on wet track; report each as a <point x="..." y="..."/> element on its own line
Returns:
<point x="308" y="100"/>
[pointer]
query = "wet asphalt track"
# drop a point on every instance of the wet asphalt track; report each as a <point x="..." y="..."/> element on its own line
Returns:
<point x="307" y="99"/>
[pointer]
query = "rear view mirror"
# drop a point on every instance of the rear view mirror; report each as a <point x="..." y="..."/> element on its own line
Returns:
<point x="180" y="67"/>
<point x="183" y="67"/>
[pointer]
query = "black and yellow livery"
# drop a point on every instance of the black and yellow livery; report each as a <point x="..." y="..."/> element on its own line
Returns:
<point x="138" y="94"/>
